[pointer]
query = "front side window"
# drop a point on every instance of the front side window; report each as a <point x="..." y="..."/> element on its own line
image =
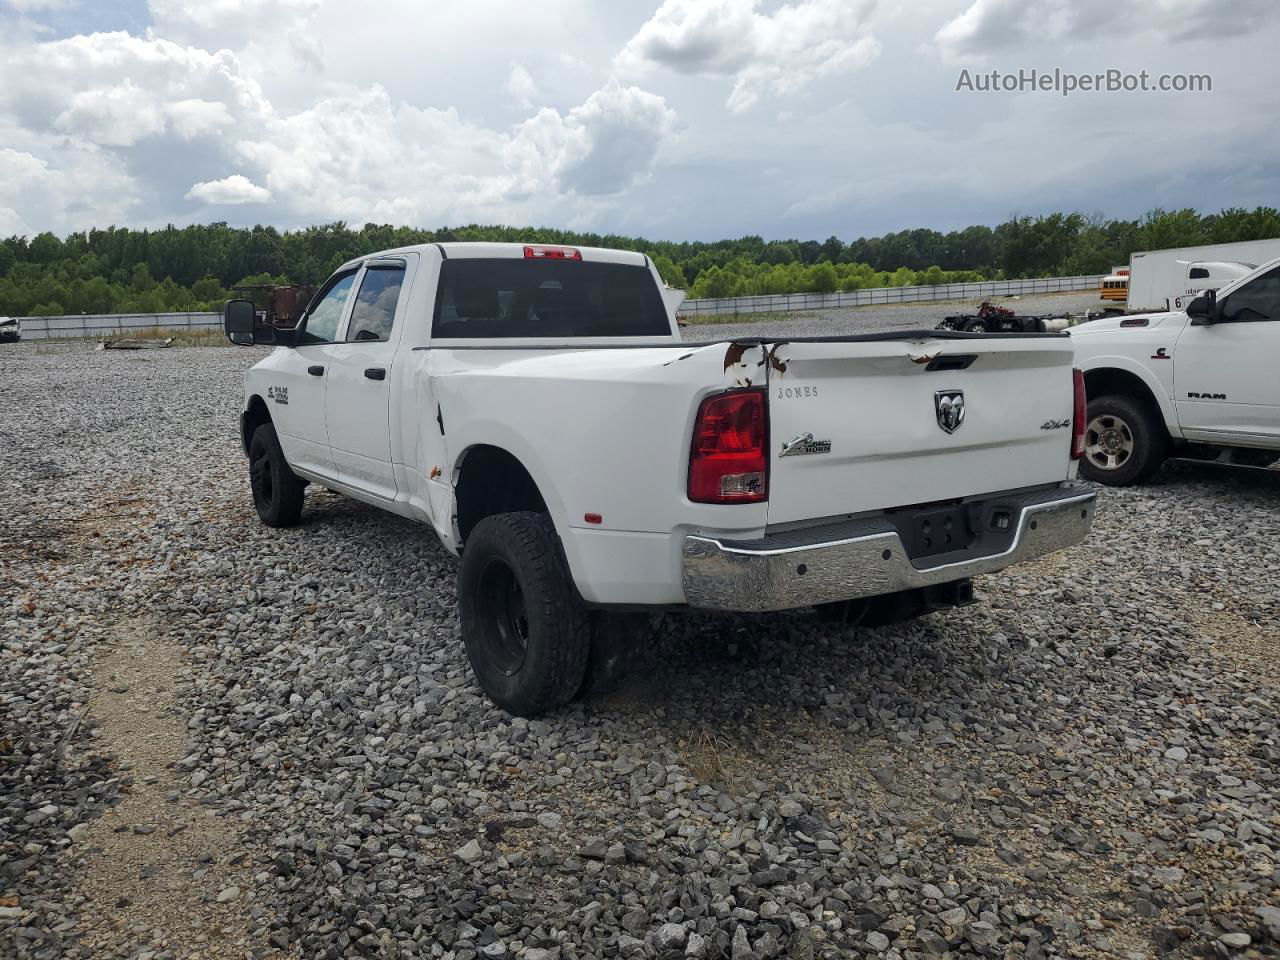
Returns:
<point x="374" y="311"/>
<point x="1257" y="300"/>
<point x="547" y="298"/>
<point x="326" y="313"/>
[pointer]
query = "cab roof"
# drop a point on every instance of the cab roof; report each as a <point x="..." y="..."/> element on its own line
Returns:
<point x="481" y="250"/>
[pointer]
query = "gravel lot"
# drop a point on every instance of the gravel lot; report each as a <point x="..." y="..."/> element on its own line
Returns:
<point x="220" y="740"/>
<point x="820" y="323"/>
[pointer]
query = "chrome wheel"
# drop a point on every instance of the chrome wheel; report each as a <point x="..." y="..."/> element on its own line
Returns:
<point x="1108" y="442"/>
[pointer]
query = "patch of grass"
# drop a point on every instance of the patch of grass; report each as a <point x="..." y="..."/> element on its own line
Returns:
<point x="716" y="760"/>
<point x="182" y="336"/>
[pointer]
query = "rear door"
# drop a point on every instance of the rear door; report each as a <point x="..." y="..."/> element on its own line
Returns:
<point x="358" y="400"/>
<point x="863" y="425"/>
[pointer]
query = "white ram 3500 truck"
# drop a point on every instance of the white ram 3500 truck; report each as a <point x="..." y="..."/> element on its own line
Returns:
<point x="1196" y="383"/>
<point x="536" y="407"/>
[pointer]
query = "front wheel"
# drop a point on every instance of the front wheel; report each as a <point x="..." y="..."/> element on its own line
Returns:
<point x="1125" y="442"/>
<point x="526" y="631"/>
<point x="277" y="490"/>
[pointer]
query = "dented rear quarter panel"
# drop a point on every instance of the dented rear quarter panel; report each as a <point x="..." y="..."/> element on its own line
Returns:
<point x="602" y="431"/>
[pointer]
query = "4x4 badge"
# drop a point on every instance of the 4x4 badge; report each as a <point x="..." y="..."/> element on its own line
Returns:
<point x="949" y="406"/>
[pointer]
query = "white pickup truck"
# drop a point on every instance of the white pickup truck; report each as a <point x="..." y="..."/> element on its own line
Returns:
<point x="1199" y="383"/>
<point x="536" y="407"/>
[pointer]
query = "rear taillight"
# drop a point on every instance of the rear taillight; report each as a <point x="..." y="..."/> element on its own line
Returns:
<point x="729" y="461"/>
<point x="1078" y="416"/>
<point x="544" y="252"/>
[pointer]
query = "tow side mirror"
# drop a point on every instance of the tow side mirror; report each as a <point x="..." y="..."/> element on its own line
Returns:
<point x="1203" y="310"/>
<point x="239" y="317"/>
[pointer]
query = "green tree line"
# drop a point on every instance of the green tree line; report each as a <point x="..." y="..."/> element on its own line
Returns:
<point x="120" y="270"/>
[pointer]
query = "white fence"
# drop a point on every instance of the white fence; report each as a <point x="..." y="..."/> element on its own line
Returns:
<point x="786" y="302"/>
<point x="116" y="324"/>
<point x="124" y="324"/>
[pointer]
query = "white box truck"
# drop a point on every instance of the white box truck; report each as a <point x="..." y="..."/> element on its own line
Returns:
<point x="1162" y="280"/>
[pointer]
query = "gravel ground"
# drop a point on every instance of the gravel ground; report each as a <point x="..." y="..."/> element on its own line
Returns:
<point x="897" y="316"/>
<point x="1084" y="765"/>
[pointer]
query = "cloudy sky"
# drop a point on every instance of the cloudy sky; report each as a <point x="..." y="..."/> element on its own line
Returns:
<point x="683" y="119"/>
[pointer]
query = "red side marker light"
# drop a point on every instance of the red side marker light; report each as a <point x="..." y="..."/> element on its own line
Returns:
<point x="593" y="518"/>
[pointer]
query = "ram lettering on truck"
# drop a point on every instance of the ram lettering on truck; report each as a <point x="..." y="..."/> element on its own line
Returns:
<point x="536" y="407"/>
<point x="1198" y="382"/>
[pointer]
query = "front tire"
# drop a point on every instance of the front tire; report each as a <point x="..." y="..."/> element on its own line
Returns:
<point x="1125" y="442"/>
<point x="526" y="631"/>
<point x="277" y="490"/>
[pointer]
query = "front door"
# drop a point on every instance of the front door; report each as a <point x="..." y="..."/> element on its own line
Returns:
<point x="1225" y="384"/>
<point x="296" y="393"/>
<point x="360" y="380"/>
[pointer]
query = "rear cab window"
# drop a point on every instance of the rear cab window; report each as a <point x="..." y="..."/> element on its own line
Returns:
<point x="489" y="298"/>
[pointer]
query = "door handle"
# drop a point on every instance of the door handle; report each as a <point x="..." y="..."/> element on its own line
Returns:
<point x="375" y="373"/>
<point x="316" y="370"/>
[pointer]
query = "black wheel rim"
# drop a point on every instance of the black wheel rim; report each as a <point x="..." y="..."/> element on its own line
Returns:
<point x="260" y="473"/>
<point x="505" y="635"/>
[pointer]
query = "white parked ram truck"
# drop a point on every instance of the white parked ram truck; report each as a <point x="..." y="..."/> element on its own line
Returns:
<point x="1199" y="382"/>
<point x="536" y="407"/>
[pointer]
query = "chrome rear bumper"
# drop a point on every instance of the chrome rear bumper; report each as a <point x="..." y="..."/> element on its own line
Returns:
<point x="867" y="558"/>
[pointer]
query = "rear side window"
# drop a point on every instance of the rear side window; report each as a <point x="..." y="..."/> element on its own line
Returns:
<point x="1199" y="273"/>
<point x="375" y="307"/>
<point x="547" y="298"/>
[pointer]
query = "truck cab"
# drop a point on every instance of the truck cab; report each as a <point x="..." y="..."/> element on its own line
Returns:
<point x="1196" y="382"/>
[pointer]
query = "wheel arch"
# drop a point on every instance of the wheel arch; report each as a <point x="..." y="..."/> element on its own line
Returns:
<point x="255" y="415"/>
<point x="1115" y="376"/>
<point x="489" y="479"/>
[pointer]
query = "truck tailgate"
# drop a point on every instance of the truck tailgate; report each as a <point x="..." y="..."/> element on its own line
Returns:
<point x="877" y="414"/>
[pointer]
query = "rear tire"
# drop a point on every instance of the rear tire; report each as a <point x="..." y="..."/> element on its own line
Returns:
<point x="277" y="490"/>
<point x="1125" y="442"/>
<point x="526" y="631"/>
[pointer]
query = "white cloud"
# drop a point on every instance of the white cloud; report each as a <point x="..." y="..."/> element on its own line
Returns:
<point x="174" y="115"/>
<point x="229" y="23"/>
<point x="53" y="183"/>
<point x="994" y="26"/>
<point x="35" y="6"/>
<point x="114" y="89"/>
<point x="363" y="156"/>
<point x="234" y="189"/>
<point x="606" y="144"/>
<point x="521" y="86"/>
<point x="765" y="55"/>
